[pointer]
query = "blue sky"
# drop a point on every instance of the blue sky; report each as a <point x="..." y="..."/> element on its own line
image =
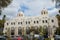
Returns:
<point x="29" y="7"/>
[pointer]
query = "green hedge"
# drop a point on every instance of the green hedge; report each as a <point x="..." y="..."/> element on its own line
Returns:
<point x="47" y="39"/>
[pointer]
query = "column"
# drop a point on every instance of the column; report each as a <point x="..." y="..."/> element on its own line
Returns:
<point x="16" y="31"/>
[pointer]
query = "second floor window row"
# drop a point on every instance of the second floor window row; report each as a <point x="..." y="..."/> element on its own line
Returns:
<point x="28" y="22"/>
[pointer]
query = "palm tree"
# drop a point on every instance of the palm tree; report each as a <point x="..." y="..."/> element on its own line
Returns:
<point x="4" y="17"/>
<point x="3" y="4"/>
<point x="2" y="24"/>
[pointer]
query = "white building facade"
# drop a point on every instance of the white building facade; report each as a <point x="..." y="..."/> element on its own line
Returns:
<point x="24" y="22"/>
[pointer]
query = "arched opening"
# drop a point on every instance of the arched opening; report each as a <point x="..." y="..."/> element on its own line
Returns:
<point x="12" y="30"/>
<point x="19" y="31"/>
<point x="45" y="30"/>
<point x="36" y="30"/>
<point x="27" y="30"/>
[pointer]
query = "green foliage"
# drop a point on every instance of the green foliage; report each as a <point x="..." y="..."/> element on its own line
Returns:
<point x="58" y="17"/>
<point x="47" y="39"/>
<point x="3" y="4"/>
<point x="57" y="0"/>
<point x="1" y="27"/>
<point x="36" y="38"/>
<point x="1" y="33"/>
<point x="42" y="31"/>
<point x="1" y="23"/>
<point x="58" y="29"/>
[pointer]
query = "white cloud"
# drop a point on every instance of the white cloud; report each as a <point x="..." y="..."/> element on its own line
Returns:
<point x="53" y="12"/>
<point x="35" y="6"/>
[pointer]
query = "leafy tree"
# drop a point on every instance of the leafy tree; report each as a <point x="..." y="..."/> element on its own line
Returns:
<point x="2" y="24"/>
<point x="2" y="21"/>
<point x="58" y="17"/>
<point x="41" y="30"/>
<point x="58" y="29"/>
<point x="1" y="27"/>
<point x="3" y="4"/>
<point x="36" y="31"/>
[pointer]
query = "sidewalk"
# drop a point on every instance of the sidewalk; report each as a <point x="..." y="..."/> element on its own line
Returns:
<point x="52" y="38"/>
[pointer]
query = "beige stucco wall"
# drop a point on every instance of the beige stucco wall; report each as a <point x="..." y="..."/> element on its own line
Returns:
<point x="23" y="19"/>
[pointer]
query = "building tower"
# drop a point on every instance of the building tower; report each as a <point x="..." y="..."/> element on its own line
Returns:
<point x="20" y="14"/>
<point x="44" y="12"/>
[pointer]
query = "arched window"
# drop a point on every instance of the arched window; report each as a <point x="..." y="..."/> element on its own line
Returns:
<point x="46" y="21"/>
<point x="12" y="30"/>
<point x="19" y="30"/>
<point x="36" y="30"/>
<point x="52" y="20"/>
<point x="7" y="23"/>
<point x="27" y="30"/>
<point x="37" y="21"/>
<point x="12" y="23"/>
<point x="19" y="23"/>
<point x="28" y="22"/>
<point x="34" y="22"/>
<point x="43" y="21"/>
<point x="44" y="12"/>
